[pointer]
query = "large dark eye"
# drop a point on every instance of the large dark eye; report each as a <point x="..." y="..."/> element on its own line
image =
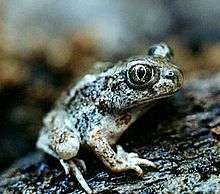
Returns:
<point x="139" y="75"/>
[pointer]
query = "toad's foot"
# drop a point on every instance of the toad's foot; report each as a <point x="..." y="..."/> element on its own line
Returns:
<point x="133" y="161"/>
<point x="80" y="163"/>
<point x="117" y="162"/>
<point x="71" y="166"/>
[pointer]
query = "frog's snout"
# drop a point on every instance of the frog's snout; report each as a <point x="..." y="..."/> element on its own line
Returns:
<point x="179" y="78"/>
<point x="175" y="75"/>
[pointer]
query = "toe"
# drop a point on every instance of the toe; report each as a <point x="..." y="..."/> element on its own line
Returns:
<point x="138" y="170"/>
<point x="120" y="150"/>
<point x="133" y="155"/>
<point x="81" y="163"/>
<point x="80" y="178"/>
<point x="65" y="166"/>
<point x="143" y="162"/>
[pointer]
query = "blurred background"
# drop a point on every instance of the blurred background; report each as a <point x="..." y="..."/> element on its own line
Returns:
<point x="45" y="44"/>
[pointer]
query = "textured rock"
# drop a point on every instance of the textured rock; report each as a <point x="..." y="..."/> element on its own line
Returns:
<point x="181" y="135"/>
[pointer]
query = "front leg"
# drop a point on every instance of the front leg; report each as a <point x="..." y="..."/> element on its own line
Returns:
<point x="64" y="145"/>
<point x="117" y="162"/>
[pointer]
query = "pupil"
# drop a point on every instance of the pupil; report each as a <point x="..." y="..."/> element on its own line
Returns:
<point x="151" y="51"/>
<point x="141" y="72"/>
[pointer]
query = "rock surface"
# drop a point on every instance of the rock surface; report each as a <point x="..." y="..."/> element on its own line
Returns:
<point x="181" y="135"/>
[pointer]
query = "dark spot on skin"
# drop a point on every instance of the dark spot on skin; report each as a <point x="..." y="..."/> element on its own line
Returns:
<point x="170" y="54"/>
<point x="116" y="81"/>
<point x="151" y="51"/>
<point x="71" y="101"/>
<point x="52" y="119"/>
<point x="105" y="83"/>
<point x="85" y="91"/>
<point x="63" y="137"/>
<point x="103" y="105"/>
<point x="152" y="92"/>
<point x="68" y="92"/>
<point x="77" y="123"/>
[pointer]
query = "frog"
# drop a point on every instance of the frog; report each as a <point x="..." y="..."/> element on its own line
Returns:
<point x="101" y="106"/>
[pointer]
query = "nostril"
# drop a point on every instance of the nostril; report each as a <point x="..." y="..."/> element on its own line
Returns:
<point x="169" y="75"/>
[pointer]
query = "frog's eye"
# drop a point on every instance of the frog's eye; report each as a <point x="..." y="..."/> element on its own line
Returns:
<point x="139" y="75"/>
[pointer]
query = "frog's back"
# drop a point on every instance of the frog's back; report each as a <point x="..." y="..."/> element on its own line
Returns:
<point x="78" y="105"/>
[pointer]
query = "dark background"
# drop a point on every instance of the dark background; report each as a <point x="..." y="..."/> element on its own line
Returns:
<point x="44" y="45"/>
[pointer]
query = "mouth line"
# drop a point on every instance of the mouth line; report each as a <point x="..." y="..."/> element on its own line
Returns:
<point x="157" y="98"/>
<point x="167" y="95"/>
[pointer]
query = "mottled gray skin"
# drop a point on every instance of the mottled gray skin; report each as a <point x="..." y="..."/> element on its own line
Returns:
<point x="101" y="106"/>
